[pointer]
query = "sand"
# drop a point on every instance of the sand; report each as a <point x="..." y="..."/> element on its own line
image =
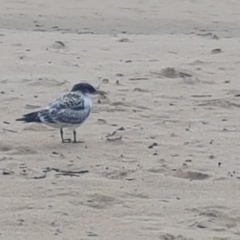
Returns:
<point x="160" y="158"/>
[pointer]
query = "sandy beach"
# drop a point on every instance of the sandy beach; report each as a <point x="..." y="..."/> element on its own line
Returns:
<point x="161" y="152"/>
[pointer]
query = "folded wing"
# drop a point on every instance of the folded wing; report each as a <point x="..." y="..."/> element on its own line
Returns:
<point x="69" y="109"/>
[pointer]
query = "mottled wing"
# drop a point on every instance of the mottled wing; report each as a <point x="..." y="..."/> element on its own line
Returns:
<point x="70" y="116"/>
<point x="67" y="109"/>
<point x="72" y="100"/>
<point x="45" y="116"/>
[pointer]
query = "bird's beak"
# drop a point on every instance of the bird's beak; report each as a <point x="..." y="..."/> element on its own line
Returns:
<point x="99" y="92"/>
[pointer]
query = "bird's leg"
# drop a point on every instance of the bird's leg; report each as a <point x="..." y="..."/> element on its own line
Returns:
<point x="75" y="137"/>
<point x="64" y="140"/>
<point x="61" y="132"/>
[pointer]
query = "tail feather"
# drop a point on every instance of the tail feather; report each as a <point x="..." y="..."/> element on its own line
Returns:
<point x="30" y="117"/>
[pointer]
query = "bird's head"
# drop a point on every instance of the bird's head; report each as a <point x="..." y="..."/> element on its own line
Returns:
<point x="84" y="88"/>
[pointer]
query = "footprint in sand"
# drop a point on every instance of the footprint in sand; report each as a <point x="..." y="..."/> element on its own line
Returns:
<point x="5" y="147"/>
<point x="172" y="237"/>
<point x="220" y="103"/>
<point x="58" y="45"/>
<point x="98" y="201"/>
<point x="171" y="72"/>
<point x="136" y="195"/>
<point x="191" y="175"/>
<point x="15" y="150"/>
<point x="215" y="218"/>
<point x="22" y="150"/>
<point x="46" y="82"/>
<point x="183" y="172"/>
<point x="116" y="174"/>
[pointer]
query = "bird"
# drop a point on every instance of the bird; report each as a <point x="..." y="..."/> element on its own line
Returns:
<point x="67" y="111"/>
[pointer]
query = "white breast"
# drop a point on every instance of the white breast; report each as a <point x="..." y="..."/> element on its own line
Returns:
<point x="87" y="102"/>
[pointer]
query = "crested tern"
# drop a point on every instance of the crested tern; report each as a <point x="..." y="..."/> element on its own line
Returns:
<point x="68" y="111"/>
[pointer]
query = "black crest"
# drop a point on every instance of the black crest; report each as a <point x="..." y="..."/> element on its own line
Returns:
<point x="84" y="88"/>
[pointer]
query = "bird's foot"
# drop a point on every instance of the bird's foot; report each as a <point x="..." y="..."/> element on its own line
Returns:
<point x="75" y="141"/>
<point x="68" y="140"/>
